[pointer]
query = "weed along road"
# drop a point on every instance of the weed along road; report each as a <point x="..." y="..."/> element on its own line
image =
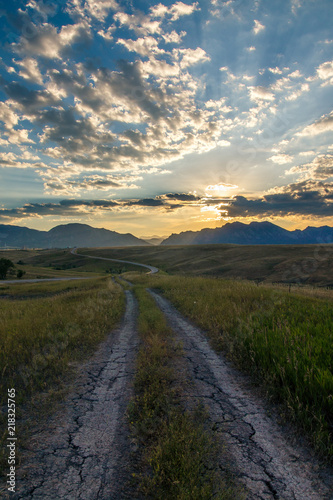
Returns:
<point x="83" y="453"/>
<point x="261" y="456"/>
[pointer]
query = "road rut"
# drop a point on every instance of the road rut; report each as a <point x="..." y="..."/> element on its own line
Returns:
<point x="261" y="457"/>
<point x="84" y="455"/>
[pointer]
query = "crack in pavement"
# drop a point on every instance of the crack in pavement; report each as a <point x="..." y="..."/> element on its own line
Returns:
<point x="261" y="455"/>
<point x="83" y="453"/>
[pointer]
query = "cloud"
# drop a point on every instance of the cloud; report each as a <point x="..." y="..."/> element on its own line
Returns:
<point x="275" y="71"/>
<point x="175" y="11"/>
<point x="261" y="94"/>
<point x="258" y="27"/>
<point x="281" y="159"/>
<point x="8" y="116"/>
<point x="189" y="57"/>
<point x="47" y="41"/>
<point x="64" y="208"/>
<point x="173" y="37"/>
<point x="324" y="124"/>
<point x="312" y="195"/>
<point x="76" y="207"/>
<point x="93" y="9"/>
<point x="143" y="46"/>
<point x="181" y="197"/>
<point x="141" y="24"/>
<point x="30" y="70"/>
<point x="325" y="72"/>
<point x="304" y="199"/>
<point x="220" y="189"/>
<point x="107" y="34"/>
<point x="320" y="168"/>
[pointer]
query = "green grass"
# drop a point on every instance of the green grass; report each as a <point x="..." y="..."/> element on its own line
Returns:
<point x="44" y="289"/>
<point x="179" y="454"/>
<point x="41" y="338"/>
<point x="283" y="339"/>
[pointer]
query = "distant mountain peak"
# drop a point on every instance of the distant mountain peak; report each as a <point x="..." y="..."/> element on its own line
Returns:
<point x="66" y="235"/>
<point x="255" y="233"/>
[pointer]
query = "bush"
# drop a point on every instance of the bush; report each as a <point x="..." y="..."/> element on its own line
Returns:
<point x="5" y="265"/>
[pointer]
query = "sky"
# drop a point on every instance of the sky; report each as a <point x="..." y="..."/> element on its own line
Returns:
<point x="159" y="117"/>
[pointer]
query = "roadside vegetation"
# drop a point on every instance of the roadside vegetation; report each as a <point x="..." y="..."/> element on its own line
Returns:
<point x="45" y="329"/>
<point x="283" y="339"/>
<point x="178" y="456"/>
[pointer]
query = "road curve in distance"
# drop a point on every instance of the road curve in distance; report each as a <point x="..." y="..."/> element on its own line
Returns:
<point x="152" y="269"/>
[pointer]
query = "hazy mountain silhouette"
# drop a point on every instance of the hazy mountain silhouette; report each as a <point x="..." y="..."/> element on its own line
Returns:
<point x="255" y="233"/>
<point x="68" y="235"/>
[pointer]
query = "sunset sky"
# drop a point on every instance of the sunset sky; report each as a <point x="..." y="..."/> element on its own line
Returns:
<point x="153" y="118"/>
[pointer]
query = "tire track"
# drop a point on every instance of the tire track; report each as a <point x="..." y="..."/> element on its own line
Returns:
<point x="261" y="456"/>
<point x="85" y="455"/>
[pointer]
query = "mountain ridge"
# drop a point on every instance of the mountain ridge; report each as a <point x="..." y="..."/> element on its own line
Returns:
<point x="255" y="233"/>
<point x="65" y="235"/>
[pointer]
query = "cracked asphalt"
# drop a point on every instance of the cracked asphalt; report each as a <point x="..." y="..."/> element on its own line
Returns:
<point x="84" y="453"/>
<point x="261" y="455"/>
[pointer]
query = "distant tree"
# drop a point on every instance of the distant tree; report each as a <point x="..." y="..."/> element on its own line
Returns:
<point x="20" y="273"/>
<point x="5" y="265"/>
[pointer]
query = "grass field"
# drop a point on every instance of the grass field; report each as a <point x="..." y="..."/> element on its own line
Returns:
<point x="298" y="264"/>
<point x="45" y="329"/>
<point x="283" y="339"/>
<point x="60" y="263"/>
<point x="178" y="454"/>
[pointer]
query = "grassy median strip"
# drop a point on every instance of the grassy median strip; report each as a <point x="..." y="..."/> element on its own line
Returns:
<point x="178" y="456"/>
<point x="283" y="338"/>
<point x="40" y="339"/>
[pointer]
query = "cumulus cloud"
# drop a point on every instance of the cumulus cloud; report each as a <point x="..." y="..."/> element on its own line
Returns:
<point x="189" y="57"/>
<point x="320" y="168"/>
<point x="144" y="46"/>
<point x="108" y="33"/>
<point x="261" y="94"/>
<point x="311" y="195"/>
<point x="93" y="9"/>
<point x="324" y="124"/>
<point x="173" y="37"/>
<point x="258" y="27"/>
<point x="48" y="41"/>
<point x="305" y="198"/>
<point x="325" y="70"/>
<point x="281" y="159"/>
<point x="175" y="11"/>
<point x="30" y="70"/>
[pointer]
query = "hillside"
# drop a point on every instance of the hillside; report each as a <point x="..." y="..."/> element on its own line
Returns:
<point x="68" y="235"/>
<point x="255" y="233"/>
<point x="303" y="264"/>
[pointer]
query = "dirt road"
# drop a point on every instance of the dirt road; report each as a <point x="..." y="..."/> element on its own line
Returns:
<point x="152" y="269"/>
<point x="262" y="457"/>
<point x="83" y="454"/>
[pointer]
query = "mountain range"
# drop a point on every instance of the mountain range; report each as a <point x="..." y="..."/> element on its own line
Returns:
<point x="68" y="235"/>
<point x="255" y="233"/>
<point x="82" y="235"/>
